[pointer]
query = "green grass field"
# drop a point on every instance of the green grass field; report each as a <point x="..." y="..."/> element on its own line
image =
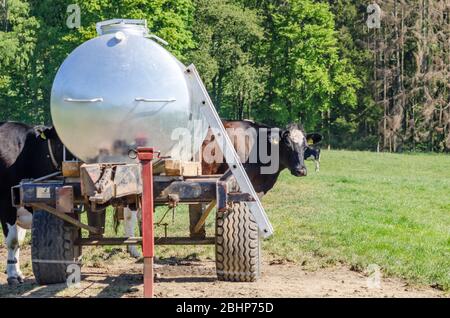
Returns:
<point x="362" y="208"/>
<point x="367" y="208"/>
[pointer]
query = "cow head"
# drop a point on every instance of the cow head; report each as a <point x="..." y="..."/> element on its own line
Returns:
<point x="292" y="148"/>
<point x="293" y="143"/>
<point x="313" y="139"/>
<point x="51" y="146"/>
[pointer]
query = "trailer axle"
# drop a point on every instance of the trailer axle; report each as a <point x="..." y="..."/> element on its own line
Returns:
<point x="138" y="241"/>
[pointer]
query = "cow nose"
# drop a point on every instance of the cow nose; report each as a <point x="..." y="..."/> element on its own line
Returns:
<point x="300" y="172"/>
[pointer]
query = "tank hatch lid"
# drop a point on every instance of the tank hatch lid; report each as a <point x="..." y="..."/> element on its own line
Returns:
<point x="138" y="27"/>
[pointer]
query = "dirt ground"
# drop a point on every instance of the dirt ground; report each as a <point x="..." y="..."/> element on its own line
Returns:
<point x="122" y="277"/>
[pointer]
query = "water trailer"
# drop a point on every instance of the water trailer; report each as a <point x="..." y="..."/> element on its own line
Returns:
<point x="117" y="101"/>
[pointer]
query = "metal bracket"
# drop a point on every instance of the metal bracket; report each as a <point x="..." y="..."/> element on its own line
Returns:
<point x="157" y="38"/>
<point x="155" y="100"/>
<point x="200" y="95"/>
<point x="79" y="100"/>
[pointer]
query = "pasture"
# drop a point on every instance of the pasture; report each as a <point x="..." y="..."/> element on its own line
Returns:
<point x="362" y="208"/>
<point x="365" y="208"/>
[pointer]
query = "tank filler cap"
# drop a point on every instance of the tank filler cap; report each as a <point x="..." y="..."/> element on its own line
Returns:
<point x="120" y="36"/>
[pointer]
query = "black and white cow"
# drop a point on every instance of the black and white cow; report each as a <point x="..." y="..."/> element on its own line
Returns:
<point x="314" y="154"/>
<point x="28" y="153"/>
<point x="312" y="151"/>
<point x="25" y="152"/>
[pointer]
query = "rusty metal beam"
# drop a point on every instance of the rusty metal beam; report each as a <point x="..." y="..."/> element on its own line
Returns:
<point x="65" y="217"/>
<point x="205" y="215"/>
<point x="110" y="241"/>
<point x="145" y="156"/>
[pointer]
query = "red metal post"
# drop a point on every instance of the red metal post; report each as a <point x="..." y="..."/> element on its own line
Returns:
<point x="145" y="156"/>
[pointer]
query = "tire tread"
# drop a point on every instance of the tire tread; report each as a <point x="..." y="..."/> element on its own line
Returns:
<point x="237" y="245"/>
<point x="52" y="239"/>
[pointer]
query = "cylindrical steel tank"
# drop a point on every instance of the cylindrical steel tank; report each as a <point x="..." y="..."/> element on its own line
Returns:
<point x="121" y="90"/>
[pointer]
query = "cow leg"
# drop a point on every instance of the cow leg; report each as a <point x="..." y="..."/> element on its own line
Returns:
<point x="24" y="220"/>
<point x="21" y="233"/>
<point x="8" y="214"/>
<point x="139" y="217"/>
<point x="129" y="224"/>
<point x="8" y="217"/>
<point x="15" y="276"/>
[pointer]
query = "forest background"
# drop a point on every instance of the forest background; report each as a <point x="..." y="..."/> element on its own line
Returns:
<point x="362" y="85"/>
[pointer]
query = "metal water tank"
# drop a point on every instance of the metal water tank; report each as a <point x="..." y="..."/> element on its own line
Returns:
<point x="121" y="90"/>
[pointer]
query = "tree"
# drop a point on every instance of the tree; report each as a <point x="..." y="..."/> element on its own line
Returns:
<point x="306" y="72"/>
<point x="17" y="43"/>
<point x="404" y="101"/>
<point x="273" y="61"/>
<point x="227" y="35"/>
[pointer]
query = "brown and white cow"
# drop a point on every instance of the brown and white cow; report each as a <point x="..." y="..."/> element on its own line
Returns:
<point x="254" y="143"/>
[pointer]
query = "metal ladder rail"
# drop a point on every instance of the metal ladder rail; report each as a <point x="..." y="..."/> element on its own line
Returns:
<point x="209" y="111"/>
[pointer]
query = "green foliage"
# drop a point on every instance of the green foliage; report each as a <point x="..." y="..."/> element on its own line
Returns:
<point x="273" y="61"/>
<point x="38" y="40"/>
<point x="16" y="56"/>
<point x="306" y="72"/>
<point x="169" y="19"/>
<point x="227" y="35"/>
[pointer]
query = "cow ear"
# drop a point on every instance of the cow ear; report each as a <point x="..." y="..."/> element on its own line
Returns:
<point x="39" y="131"/>
<point x="313" y="138"/>
<point x="50" y="133"/>
<point x="46" y="132"/>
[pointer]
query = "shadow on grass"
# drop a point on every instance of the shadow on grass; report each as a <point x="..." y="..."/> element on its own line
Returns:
<point x="118" y="286"/>
<point x="29" y="288"/>
<point x="190" y="260"/>
<point x="92" y="285"/>
<point x="100" y="284"/>
<point x="199" y="279"/>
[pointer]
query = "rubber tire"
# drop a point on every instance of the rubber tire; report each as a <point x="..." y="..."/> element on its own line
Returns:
<point x="52" y="239"/>
<point x="238" y="249"/>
